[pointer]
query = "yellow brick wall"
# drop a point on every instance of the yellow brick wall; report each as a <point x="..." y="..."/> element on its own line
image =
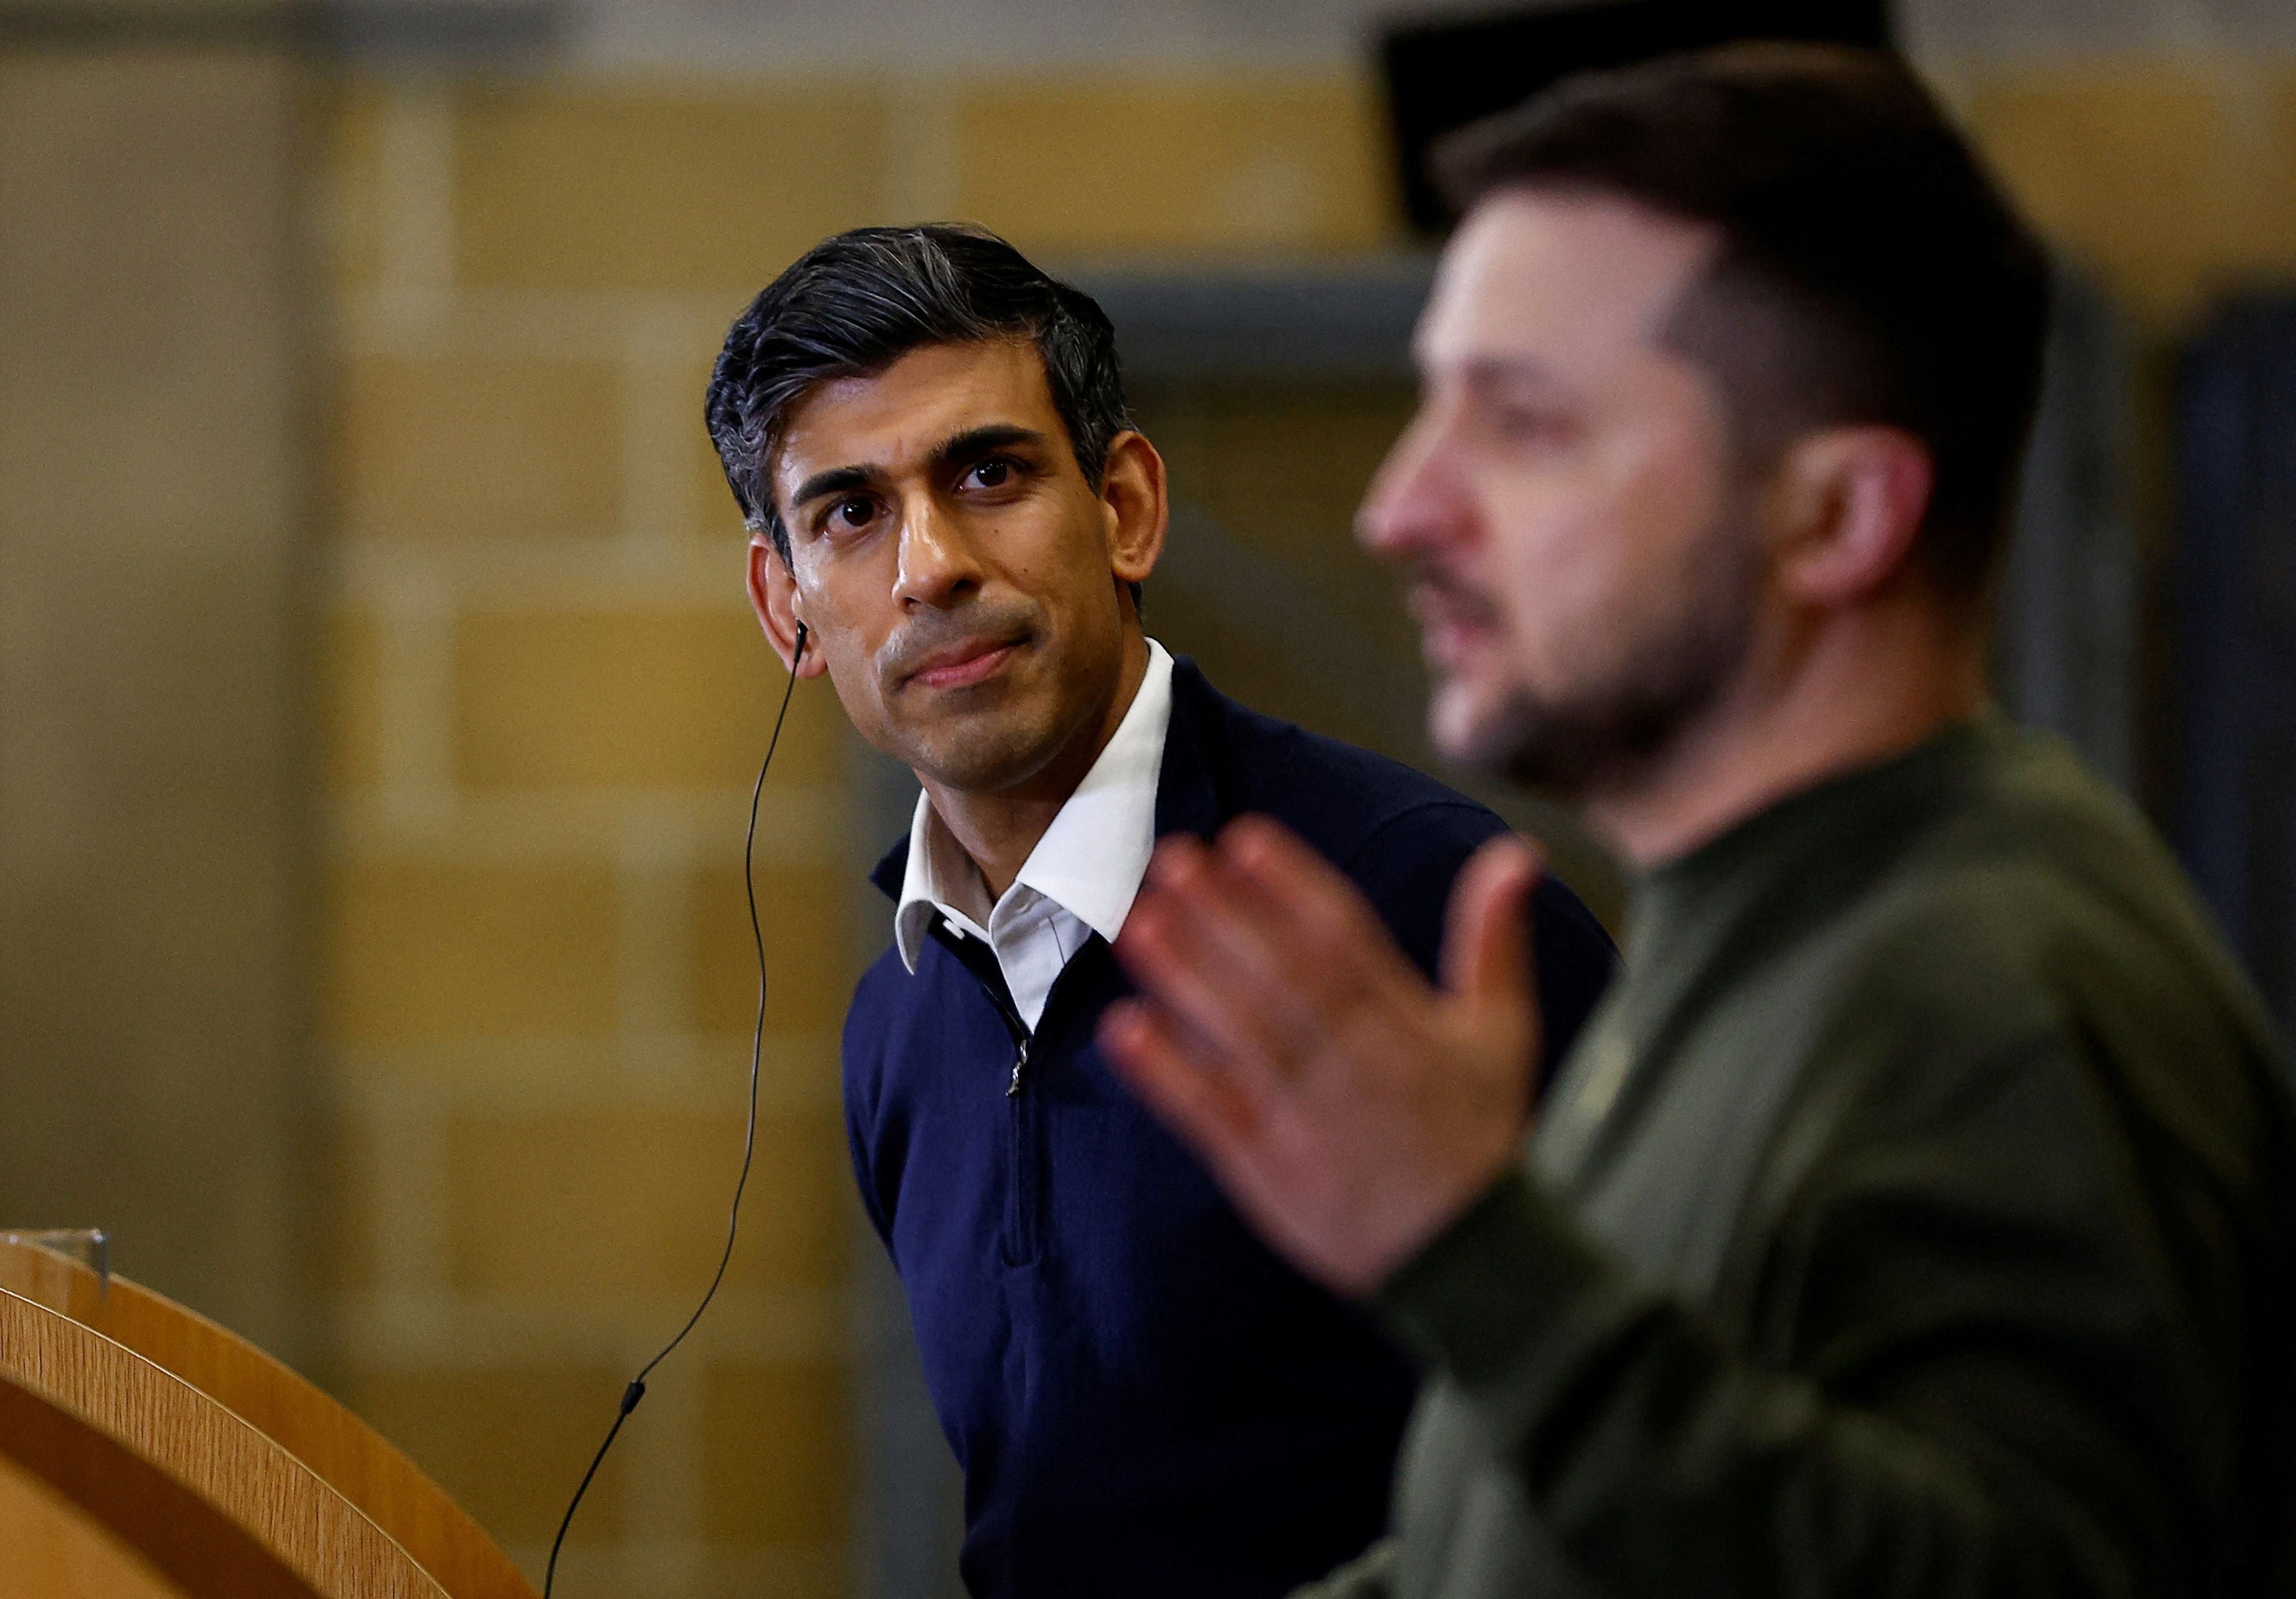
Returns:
<point x="2178" y="181"/>
<point x="545" y="698"/>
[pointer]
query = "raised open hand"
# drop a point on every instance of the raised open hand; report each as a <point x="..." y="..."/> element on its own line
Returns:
<point x="1350" y="1109"/>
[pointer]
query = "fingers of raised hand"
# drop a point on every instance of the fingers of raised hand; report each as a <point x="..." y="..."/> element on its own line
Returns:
<point x="1317" y="946"/>
<point x="1487" y="927"/>
<point x="1254" y="1148"/>
<point x="1202" y="1101"/>
<point x="1273" y="959"/>
<point x="1202" y="963"/>
<point x="1310" y="902"/>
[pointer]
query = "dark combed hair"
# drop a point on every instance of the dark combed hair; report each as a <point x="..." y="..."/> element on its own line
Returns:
<point x="1869" y="271"/>
<point x="853" y="305"/>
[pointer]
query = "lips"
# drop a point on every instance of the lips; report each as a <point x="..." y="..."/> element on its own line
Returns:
<point x="1451" y="621"/>
<point x="961" y="664"/>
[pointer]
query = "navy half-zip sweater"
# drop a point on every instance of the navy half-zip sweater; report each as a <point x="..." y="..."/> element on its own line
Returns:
<point x="1144" y="1399"/>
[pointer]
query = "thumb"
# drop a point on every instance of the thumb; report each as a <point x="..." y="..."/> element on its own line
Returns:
<point x="1487" y="940"/>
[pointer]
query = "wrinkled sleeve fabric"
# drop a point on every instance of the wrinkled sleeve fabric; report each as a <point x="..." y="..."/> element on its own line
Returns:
<point x="1967" y="1368"/>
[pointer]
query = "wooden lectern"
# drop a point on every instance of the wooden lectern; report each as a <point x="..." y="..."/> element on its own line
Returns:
<point x="146" y="1452"/>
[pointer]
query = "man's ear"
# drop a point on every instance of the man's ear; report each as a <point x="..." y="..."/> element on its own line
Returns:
<point x="1134" y="506"/>
<point x="773" y="596"/>
<point x="1847" y="505"/>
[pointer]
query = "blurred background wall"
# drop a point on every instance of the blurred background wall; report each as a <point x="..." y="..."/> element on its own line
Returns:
<point x="157" y="860"/>
<point x="378" y="702"/>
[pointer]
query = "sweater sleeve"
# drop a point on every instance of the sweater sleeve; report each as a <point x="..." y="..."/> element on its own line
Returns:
<point x="1975" y="1380"/>
<point x="861" y="1054"/>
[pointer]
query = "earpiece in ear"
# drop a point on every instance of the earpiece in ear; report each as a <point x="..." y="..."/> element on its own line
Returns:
<point x="798" y="654"/>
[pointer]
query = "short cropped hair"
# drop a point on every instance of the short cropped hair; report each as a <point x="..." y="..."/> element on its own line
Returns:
<point x="1869" y="269"/>
<point x="853" y="305"/>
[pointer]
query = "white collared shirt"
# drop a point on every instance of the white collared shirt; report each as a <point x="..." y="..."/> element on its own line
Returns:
<point x="1080" y="879"/>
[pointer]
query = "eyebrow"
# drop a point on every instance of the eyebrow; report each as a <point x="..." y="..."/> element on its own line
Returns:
<point x="976" y="442"/>
<point x="836" y="479"/>
<point x="956" y="449"/>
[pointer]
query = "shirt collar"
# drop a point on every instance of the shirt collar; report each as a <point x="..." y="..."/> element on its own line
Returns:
<point x="1092" y="858"/>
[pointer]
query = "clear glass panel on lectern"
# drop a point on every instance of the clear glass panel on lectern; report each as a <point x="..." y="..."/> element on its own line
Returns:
<point x="55" y="1264"/>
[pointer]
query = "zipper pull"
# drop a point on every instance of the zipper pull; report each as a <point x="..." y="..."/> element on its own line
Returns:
<point x="1020" y="1063"/>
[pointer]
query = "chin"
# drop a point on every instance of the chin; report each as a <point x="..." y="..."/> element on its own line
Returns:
<point x="1470" y="727"/>
<point x="1507" y="735"/>
<point x="986" y="754"/>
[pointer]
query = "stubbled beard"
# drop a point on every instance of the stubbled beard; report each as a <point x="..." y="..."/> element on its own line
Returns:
<point x="1682" y="654"/>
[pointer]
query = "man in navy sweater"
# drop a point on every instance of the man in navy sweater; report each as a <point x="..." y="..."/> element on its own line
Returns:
<point x="951" y="515"/>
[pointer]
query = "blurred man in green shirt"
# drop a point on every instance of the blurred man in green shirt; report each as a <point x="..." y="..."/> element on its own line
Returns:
<point x="1917" y="1214"/>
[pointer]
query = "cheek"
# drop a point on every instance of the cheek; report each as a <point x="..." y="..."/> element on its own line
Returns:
<point x="848" y="595"/>
<point x="1058" y="559"/>
<point x="1560" y="567"/>
<point x="851" y="675"/>
<point x="844" y="631"/>
<point x="1579" y="558"/>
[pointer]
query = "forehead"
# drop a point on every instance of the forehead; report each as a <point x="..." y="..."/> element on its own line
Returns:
<point x="1565" y="278"/>
<point x="895" y="418"/>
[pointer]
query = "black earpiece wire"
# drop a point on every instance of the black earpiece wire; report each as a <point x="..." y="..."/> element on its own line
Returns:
<point x="636" y="1389"/>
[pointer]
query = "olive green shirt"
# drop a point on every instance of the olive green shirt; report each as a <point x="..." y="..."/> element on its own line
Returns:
<point x="1915" y="1217"/>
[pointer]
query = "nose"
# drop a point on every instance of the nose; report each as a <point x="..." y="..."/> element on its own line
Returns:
<point x="1416" y="501"/>
<point x="939" y="568"/>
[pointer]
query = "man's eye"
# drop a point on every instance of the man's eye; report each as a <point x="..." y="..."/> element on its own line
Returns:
<point x="849" y="514"/>
<point x="992" y="474"/>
